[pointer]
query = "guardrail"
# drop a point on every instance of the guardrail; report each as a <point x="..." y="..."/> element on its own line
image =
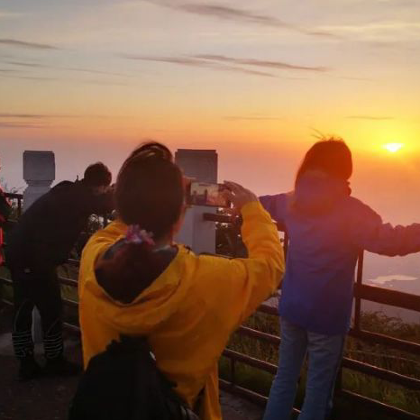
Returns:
<point x="361" y="292"/>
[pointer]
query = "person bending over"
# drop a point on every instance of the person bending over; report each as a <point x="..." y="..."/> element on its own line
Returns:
<point x="135" y="280"/>
<point x="327" y="228"/>
<point x="42" y="240"/>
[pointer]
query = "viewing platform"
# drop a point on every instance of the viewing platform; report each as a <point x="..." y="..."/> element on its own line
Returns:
<point x="379" y="378"/>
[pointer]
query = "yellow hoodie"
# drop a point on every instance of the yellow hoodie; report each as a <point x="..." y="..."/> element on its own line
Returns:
<point x="190" y="310"/>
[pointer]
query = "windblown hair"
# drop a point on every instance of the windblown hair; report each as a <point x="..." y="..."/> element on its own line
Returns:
<point x="149" y="192"/>
<point x="331" y="156"/>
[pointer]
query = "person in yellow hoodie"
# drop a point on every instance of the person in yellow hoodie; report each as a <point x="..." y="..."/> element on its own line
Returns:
<point x="134" y="280"/>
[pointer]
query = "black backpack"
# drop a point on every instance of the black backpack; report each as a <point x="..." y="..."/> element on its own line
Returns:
<point x="124" y="383"/>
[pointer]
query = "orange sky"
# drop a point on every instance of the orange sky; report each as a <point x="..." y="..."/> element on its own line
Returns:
<point x="255" y="81"/>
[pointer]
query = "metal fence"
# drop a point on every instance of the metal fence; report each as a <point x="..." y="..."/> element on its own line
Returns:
<point x="361" y="292"/>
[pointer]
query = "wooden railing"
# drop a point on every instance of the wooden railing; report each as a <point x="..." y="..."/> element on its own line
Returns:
<point x="361" y="292"/>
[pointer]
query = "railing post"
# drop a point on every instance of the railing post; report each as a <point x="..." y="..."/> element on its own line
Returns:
<point x="198" y="234"/>
<point x="232" y="372"/>
<point x="38" y="173"/>
<point x="357" y="299"/>
<point x="19" y="208"/>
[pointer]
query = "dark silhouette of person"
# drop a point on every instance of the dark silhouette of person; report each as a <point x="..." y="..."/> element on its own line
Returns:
<point x="41" y="241"/>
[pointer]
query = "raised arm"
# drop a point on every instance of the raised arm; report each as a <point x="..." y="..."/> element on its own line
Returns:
<point x="371" y="234"/>
<point x="264" y="267"/>
<point x="246" y="282"/>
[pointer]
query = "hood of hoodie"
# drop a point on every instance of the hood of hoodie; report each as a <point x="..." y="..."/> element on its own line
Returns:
<point x="151" y="307"/>
<point x="317" y="193"/>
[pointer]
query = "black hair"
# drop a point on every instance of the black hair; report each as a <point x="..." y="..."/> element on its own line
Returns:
<point x="97" y="175"/>
<point x="331" y="156"/>
<point x="152" y="147"/>
<point x="149" y="193"/>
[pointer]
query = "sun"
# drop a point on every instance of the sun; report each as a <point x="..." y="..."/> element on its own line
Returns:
<point x="393" y="147"/>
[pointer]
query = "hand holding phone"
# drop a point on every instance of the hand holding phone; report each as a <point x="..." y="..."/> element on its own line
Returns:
<point x="207" y="194"/>
<point x="238" y="195"/>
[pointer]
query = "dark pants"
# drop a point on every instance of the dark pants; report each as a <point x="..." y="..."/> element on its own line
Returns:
<point x="37" y="287"/>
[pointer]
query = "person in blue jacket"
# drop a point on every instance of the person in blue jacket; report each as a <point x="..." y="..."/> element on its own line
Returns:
<point x="327" y="228"/>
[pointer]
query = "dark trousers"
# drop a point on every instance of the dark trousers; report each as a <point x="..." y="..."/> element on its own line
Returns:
<point x="37" y="287"/>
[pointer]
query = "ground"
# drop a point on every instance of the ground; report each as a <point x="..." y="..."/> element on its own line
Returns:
<point x="48" y="398"/>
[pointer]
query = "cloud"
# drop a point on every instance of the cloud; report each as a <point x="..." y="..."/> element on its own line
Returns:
<point x="82" y="70"/>
<point x="10" y="15"/>
<point x="26" y="116"/>
<point x="34" y="78"/>
<point x="19" y="125"/>
<point x="261" y="63"/>
<point x="386" y="32"/>
<point x="53" y="79"/>
<point x="197" y="62"/>
<point x="369" y="117"/>
<point x="251" y="118"/>
<point x="359" y="79"/>
<point x="9" y="120"/>
<point x="11" y="115"/>
<point x="238" y="15"/>
<point x="101" y="83"/>
<point x="26" y="44"/>
<point x="75" y="69"/>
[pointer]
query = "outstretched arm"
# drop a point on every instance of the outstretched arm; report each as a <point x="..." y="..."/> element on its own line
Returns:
<point x="371" y="234"/>
<point x="275" y="205"/>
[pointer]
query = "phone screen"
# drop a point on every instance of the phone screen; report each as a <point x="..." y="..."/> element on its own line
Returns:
<point x="206" y="194"/>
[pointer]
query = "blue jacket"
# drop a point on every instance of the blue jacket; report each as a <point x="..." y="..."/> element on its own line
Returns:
<point x="327" y="229"/>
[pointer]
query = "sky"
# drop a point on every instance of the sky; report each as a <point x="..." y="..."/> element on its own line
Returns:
<point x="257" y="81"/>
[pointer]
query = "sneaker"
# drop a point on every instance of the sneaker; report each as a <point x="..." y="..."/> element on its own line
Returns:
<point x="29" y="369"/>
<point x="61" y="367"/>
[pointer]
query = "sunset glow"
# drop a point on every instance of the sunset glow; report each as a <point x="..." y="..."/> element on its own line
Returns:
<point x="393" y="147"/>
<point x="258" y="81"/>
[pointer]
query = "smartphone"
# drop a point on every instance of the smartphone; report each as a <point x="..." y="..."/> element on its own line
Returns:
<point x="206" y="194"/>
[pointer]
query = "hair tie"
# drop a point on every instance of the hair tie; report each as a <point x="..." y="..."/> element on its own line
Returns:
<point x="136" y="235"/>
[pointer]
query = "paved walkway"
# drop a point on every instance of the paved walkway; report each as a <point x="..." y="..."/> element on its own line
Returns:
<point x="48" y="398"/>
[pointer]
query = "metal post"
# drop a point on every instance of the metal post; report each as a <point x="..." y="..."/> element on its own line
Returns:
<point x="232" y="371"/>
<point x="357" y="301"/>
<point x="19" y="209"/>
<point x="38" y="173"/>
